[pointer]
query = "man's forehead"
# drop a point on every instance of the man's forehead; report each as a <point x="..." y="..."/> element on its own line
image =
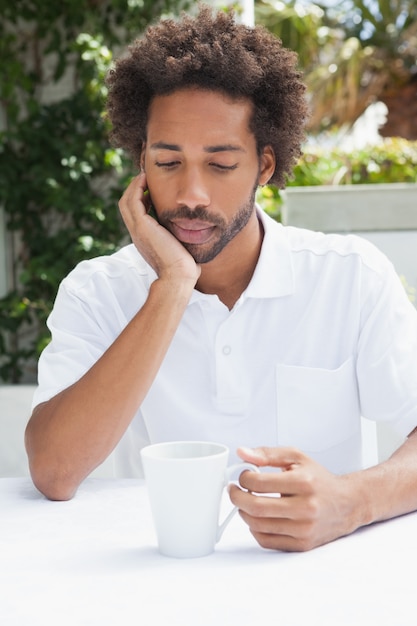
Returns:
<point x="217" y="123"/>
<point x="199" y="103"/>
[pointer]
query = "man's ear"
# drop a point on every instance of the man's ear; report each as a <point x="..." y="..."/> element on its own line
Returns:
<point x="267" y="165"/>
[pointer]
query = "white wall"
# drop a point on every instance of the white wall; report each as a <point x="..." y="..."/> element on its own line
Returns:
<point x="400" y="246"/>
<point x="386" y="215"/>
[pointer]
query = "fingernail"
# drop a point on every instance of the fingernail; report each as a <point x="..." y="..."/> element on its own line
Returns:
<point x="250" y="451"/>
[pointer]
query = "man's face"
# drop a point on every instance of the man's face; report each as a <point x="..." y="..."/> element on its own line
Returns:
<point x="202" y="168"/>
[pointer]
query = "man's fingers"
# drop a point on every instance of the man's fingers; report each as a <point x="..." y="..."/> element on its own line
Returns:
<point x="276" y="526"/>
<point x="261" y="482"/>
<point x="278" y="523"/>
<point x="286" y="543"/>
<point x="274" y="507"/>
<point x="297" y="475"/>
<point x="299" y="481"/>
<point x="273" y="457"/>
<point x="255" y="505"/>
<point x="135" y="195"/>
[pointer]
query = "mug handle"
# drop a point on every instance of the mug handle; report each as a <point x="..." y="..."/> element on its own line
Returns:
<point x="230" y="471"/>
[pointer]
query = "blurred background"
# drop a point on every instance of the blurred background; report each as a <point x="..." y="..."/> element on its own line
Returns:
<point x="60" y="180"/>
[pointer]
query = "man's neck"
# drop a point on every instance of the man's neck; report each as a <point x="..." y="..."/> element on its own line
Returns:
<point x="231" y="271"/>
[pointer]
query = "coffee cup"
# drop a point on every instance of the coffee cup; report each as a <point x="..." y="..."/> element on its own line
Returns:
<point x="185" y="482"/>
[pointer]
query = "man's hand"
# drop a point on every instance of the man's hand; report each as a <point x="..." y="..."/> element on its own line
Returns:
<point x="157" y="245"/>
<point x="304" y="505"/>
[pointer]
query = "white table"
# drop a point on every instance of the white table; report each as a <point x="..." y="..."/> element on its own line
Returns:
<point x="93" y="561"/>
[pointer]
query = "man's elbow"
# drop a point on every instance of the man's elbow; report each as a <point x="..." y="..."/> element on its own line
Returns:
<point x="53" y="489"/>
<point x="51" y="482"/>
<point x="50" y="477"/>
<point x="49" y="474"/>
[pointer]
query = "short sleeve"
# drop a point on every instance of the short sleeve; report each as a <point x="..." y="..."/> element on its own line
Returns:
<point x="94" y="303"/>
<point x="387" y="354"/>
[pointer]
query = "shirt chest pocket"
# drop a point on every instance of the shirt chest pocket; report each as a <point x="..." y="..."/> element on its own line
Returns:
<point x="317" y="409"/>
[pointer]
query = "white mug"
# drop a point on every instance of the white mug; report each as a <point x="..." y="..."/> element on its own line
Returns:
<point x="185" y="482"/>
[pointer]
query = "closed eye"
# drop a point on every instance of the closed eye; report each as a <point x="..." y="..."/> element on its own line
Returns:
<point x="167" y="164"/>
<point x="224" y="167"/>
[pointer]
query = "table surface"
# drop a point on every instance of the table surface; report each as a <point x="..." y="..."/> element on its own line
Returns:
<point x="94" y="561"/>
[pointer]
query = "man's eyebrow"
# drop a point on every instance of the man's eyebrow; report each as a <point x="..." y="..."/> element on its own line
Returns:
<point x="223" y="148"/>
<point x="162" y="145"/>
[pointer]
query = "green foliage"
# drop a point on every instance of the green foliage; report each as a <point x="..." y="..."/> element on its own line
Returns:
<point x="59" y="179"/>
<point x="387" y="25"/>
<point x="392" y="161"/>
<point x="299" y="25"/>
<point x="352" y="53"/>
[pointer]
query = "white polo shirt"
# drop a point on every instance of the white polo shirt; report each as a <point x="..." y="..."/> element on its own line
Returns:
<point x="323" y="334"/>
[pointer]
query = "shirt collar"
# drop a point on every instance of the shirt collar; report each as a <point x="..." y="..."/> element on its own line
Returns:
<point x="273" y="276"/>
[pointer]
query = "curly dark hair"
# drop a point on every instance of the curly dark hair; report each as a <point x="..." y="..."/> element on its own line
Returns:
<point x="213" y="52"/>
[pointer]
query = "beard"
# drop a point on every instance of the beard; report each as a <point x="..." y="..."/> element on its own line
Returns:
<point x="226" y="231"/>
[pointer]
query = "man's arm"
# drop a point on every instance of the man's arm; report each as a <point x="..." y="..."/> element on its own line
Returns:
<point x="317" y="506"/>
<point x="68" y="436"/>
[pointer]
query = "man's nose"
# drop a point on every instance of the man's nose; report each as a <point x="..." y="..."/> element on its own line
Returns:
<point x="193" y="190"/>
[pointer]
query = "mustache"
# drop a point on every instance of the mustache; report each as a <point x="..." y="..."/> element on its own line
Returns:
<point x="184" y="212"/>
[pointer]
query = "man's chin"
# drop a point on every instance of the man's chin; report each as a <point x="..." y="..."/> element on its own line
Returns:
<point x="201" y="256"/>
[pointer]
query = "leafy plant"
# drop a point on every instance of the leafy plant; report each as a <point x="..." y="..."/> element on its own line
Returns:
<point x="59" y="179"/>
<point x="391" y="161"/>
<point x="353" y="53"/>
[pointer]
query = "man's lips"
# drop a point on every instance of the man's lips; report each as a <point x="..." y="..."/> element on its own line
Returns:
<point x="192" y="231"/>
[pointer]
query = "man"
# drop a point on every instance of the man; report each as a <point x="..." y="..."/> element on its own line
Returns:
<point x="217" y="323"/>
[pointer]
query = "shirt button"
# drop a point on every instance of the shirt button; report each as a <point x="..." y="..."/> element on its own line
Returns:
<point x="226" y="350"/>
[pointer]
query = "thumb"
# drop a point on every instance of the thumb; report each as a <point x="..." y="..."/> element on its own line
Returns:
<point x="274" y="457"/>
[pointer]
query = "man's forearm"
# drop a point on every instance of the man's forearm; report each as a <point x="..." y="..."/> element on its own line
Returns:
<point x="391" y="486"/>
<point x="70" y="435"/>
